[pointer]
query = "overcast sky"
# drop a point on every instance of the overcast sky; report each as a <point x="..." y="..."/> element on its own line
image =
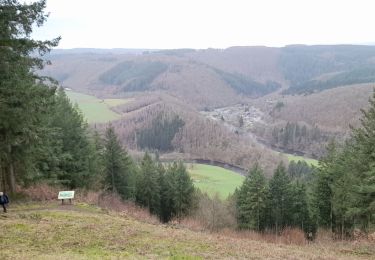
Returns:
<point x="207" y="23"/>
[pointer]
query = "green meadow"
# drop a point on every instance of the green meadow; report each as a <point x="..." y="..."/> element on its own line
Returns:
<point x="297" y="158"/>
<point x="94" y="109"/>
<point x="213" y="179"/>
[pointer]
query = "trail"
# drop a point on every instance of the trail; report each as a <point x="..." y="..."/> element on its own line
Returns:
<point x="50" y="206"/>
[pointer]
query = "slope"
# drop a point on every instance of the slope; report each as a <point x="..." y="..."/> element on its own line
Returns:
<point x="333" y="109"/>
<point x="271" y="79"/>
<point x="214" y="179"/>
<point x="96" y="110"/>
<point x="87" y="232"/>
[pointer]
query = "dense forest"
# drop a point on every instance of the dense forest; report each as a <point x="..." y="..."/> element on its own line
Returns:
<point x="246" y="86"/>
<point x="315" y="68"/>
<point x="133" y="76"/>
<point x="160" y="134"/>
<point x="295" y="137"/>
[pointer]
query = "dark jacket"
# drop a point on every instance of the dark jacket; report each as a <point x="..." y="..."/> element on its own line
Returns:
<point x="4" y="199"/>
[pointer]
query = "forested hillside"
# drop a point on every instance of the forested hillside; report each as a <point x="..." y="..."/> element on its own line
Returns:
<point x="270" y="79"/>
<point x="252" y="71"/>
<point x="231" y="107"/>
<point x="314" y="68"/>
<point x="166" y="125"/>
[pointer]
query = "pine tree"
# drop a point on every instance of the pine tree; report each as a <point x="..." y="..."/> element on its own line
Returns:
<point x="24" y="95"/>
<point x="76" y="150"/>
<point x="300" y="208"/>
<point x="300" y="171"/>
<point x="148" y="189"/>
<point x="348" y="176"/>
<point x="167" y="192"/>
<point x="322" y="189"/>
<point x="96" y="165"/>
<point x="363" y="168"/>
<point x="280" y="199"/>
<point x="118" y="167"/>
<point x="184" y="188"/>
<point x="252" y="200"/>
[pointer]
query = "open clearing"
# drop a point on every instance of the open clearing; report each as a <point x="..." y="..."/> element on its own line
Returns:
<point x="94" y="109"/>
<point x="87" y="232"/>
<point x="297" y="158"/>
<point x="213" y="179"/>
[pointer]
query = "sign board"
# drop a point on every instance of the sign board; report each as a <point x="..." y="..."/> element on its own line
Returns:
<point x="66" y="195"/>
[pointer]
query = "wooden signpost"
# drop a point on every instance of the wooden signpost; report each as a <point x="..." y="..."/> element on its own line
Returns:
<point x="66" y="195"/>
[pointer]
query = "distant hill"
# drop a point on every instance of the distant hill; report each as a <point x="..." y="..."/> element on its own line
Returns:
<point x="320" y="88"/>
<point x="249" y="71"/>
<point x="304" y="66"/>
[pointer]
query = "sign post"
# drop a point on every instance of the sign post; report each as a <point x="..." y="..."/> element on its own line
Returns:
<point x="64" y="195"/>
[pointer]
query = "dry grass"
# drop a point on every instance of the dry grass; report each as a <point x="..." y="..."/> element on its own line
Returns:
<point x="113" y="202"/>
<point x="40" y="192"/>
<point x="324" y="244"/>
<point x="84" y="232"/>
<point x="289" y="236"/>
<point x="107" y="201"/>
<point x="102" y="226"/>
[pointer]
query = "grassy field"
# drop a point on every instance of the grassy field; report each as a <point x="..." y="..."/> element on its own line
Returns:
<point x="87" y="232"/>
<point x="96" y="110"/>
<point x="213" y="179"/>
<point x="297" y="158"/>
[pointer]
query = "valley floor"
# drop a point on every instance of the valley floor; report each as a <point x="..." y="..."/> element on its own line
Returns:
<point x="52" y="231"/>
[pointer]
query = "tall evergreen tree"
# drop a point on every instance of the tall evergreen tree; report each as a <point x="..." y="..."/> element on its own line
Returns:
<point x="148" y="189"/>
<point x="300" y="208"/>
<point x="24" y="96"/>
<point x="322" y="188"/>
<point x="184" y="188"/>
<point x="252" y="200"/>
<point x="362" y="157"/>
<point x="118" y="167"/>
<point x="280" y="199"/>
<point x="167" y="192"/>
<point x="347" y="175"/>
<point x="76" y="150"/>
<point x="96" y="160"/>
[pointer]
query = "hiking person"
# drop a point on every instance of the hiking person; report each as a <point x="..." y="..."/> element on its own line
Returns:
<point x="4" y="200"/>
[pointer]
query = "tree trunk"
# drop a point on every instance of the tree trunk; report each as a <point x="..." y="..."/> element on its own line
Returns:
<point x="342" y="228"/>
<point x="331" y="217"/>
<point x="277" y="228"/>
<point x="11" y="178"/>
<point x="3" y="179"/>
<point x="258" y="216"/>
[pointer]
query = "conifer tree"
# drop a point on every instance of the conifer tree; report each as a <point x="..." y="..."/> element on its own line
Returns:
<point x="322" y="189"/>
<point x="348" y="177"/>
<point x="74" y="157"/>
<point x="362" y="155"/>
<point x="24" y="95"/>
<point x="184" y="189"/>
<point x="252" y="200"/>
<point x="118" y="166"/>
<point x="280" y="199"/>
<point x="167" y="192"/>
<point x="148" y="189"/>
<point x="96" y="165"/>
<point x="300" y="208"/>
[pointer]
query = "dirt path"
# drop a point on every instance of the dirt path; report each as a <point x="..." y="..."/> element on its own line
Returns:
<point x="17" y="208"/>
